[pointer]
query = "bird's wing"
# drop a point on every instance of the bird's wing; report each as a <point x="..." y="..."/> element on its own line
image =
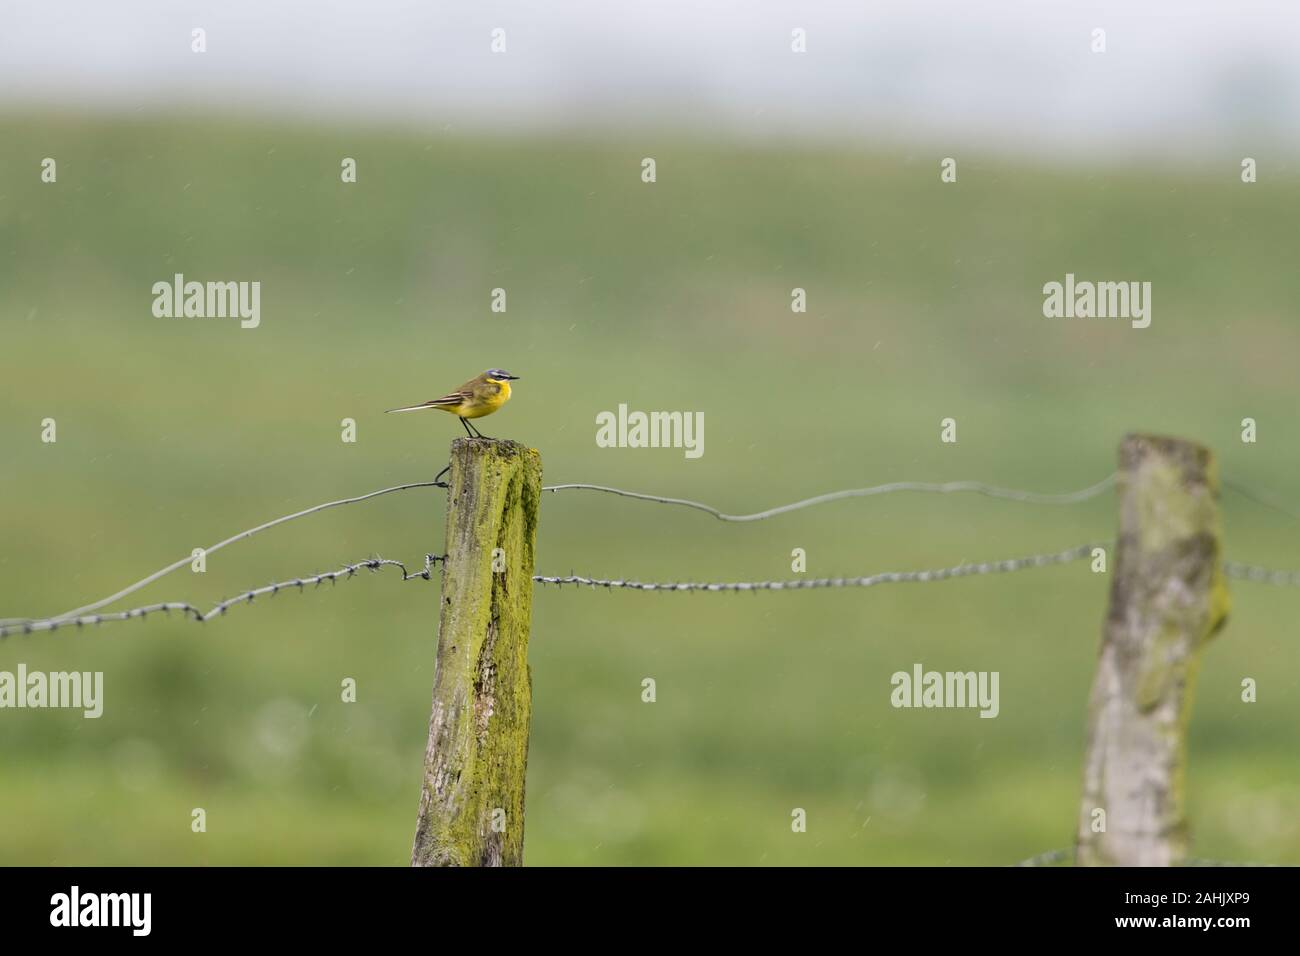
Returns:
<point x="450" y="400"/>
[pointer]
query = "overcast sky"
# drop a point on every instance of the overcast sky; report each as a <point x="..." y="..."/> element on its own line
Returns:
<point x="1177" y="75"/>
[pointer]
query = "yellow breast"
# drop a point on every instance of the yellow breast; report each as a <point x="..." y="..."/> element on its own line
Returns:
<point x="487" y="400"/>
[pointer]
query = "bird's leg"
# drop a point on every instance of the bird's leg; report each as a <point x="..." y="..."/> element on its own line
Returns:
<point x="465" y="424"/>
<point x="479" y="434"/>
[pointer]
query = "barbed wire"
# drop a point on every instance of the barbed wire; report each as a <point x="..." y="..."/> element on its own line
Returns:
<point x="886" y="577"/>
<point x="941" y="488"/>
<point x="243" y="535"/>
<point x="1067" y="855"/>
<point x="1049" y="858"/>
<point x="247" y="597"/>
<point x="965" y="569"/>
<point x="84" y="615"/>
<point x="945" y="488"/>
<point x="374" y="564"/>
<point x="1246" y="572"/>
<point x="1253" y="572"/>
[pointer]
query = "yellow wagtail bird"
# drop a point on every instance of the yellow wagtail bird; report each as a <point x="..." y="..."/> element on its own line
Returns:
<point x="481" y="395"/>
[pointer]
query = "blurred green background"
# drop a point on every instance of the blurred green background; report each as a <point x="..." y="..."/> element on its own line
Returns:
<point x="924" y="302"/>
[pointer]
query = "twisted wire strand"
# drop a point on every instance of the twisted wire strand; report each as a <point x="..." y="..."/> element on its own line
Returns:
<point x="1260" y="575"/>
<point x="1262" y="498"/>
<point x="374" y="564"/>
<point x="220" y="608"/>
<point x="1009" y="565"/>
<point x="941" y="488"/>
<point x="886" y="577"/>
<point x="1049" y="858"/>
<point x="1052" y="857"/>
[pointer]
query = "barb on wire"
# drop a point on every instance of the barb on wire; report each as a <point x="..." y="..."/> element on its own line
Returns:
<point x="1253" y="572"/>
<point x="177" y="565"/>
<point x="944" y="488"/>
<point x="887" y="577"/>
<point x="247" y="597"/>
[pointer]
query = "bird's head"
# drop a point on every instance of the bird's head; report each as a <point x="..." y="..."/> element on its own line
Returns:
<point x="498" y="375"/>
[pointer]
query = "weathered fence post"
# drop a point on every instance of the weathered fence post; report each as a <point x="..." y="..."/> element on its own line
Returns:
<point x="1167" y="598"/>
<point x="472" y="801"/>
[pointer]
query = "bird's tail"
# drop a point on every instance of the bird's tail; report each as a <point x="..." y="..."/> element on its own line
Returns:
<point x="411" y="408"/>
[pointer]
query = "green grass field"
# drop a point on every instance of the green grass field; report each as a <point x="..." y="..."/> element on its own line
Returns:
<point x="924" y="302"/>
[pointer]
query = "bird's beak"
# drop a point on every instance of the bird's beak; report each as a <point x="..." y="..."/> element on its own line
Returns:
<point x="513" y="378"/>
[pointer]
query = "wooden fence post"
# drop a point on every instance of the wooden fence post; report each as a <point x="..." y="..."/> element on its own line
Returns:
<point x="1168" y="596"/>
<point x="472" y="801"/>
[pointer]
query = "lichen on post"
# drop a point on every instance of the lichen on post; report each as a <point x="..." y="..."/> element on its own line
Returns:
<point x="472" y="800"/>
<point x="1168" y="597"/>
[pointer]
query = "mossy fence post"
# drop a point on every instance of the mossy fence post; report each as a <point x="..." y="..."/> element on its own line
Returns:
<point x="1168" y="597"/>
<point x="472" y="800"/>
